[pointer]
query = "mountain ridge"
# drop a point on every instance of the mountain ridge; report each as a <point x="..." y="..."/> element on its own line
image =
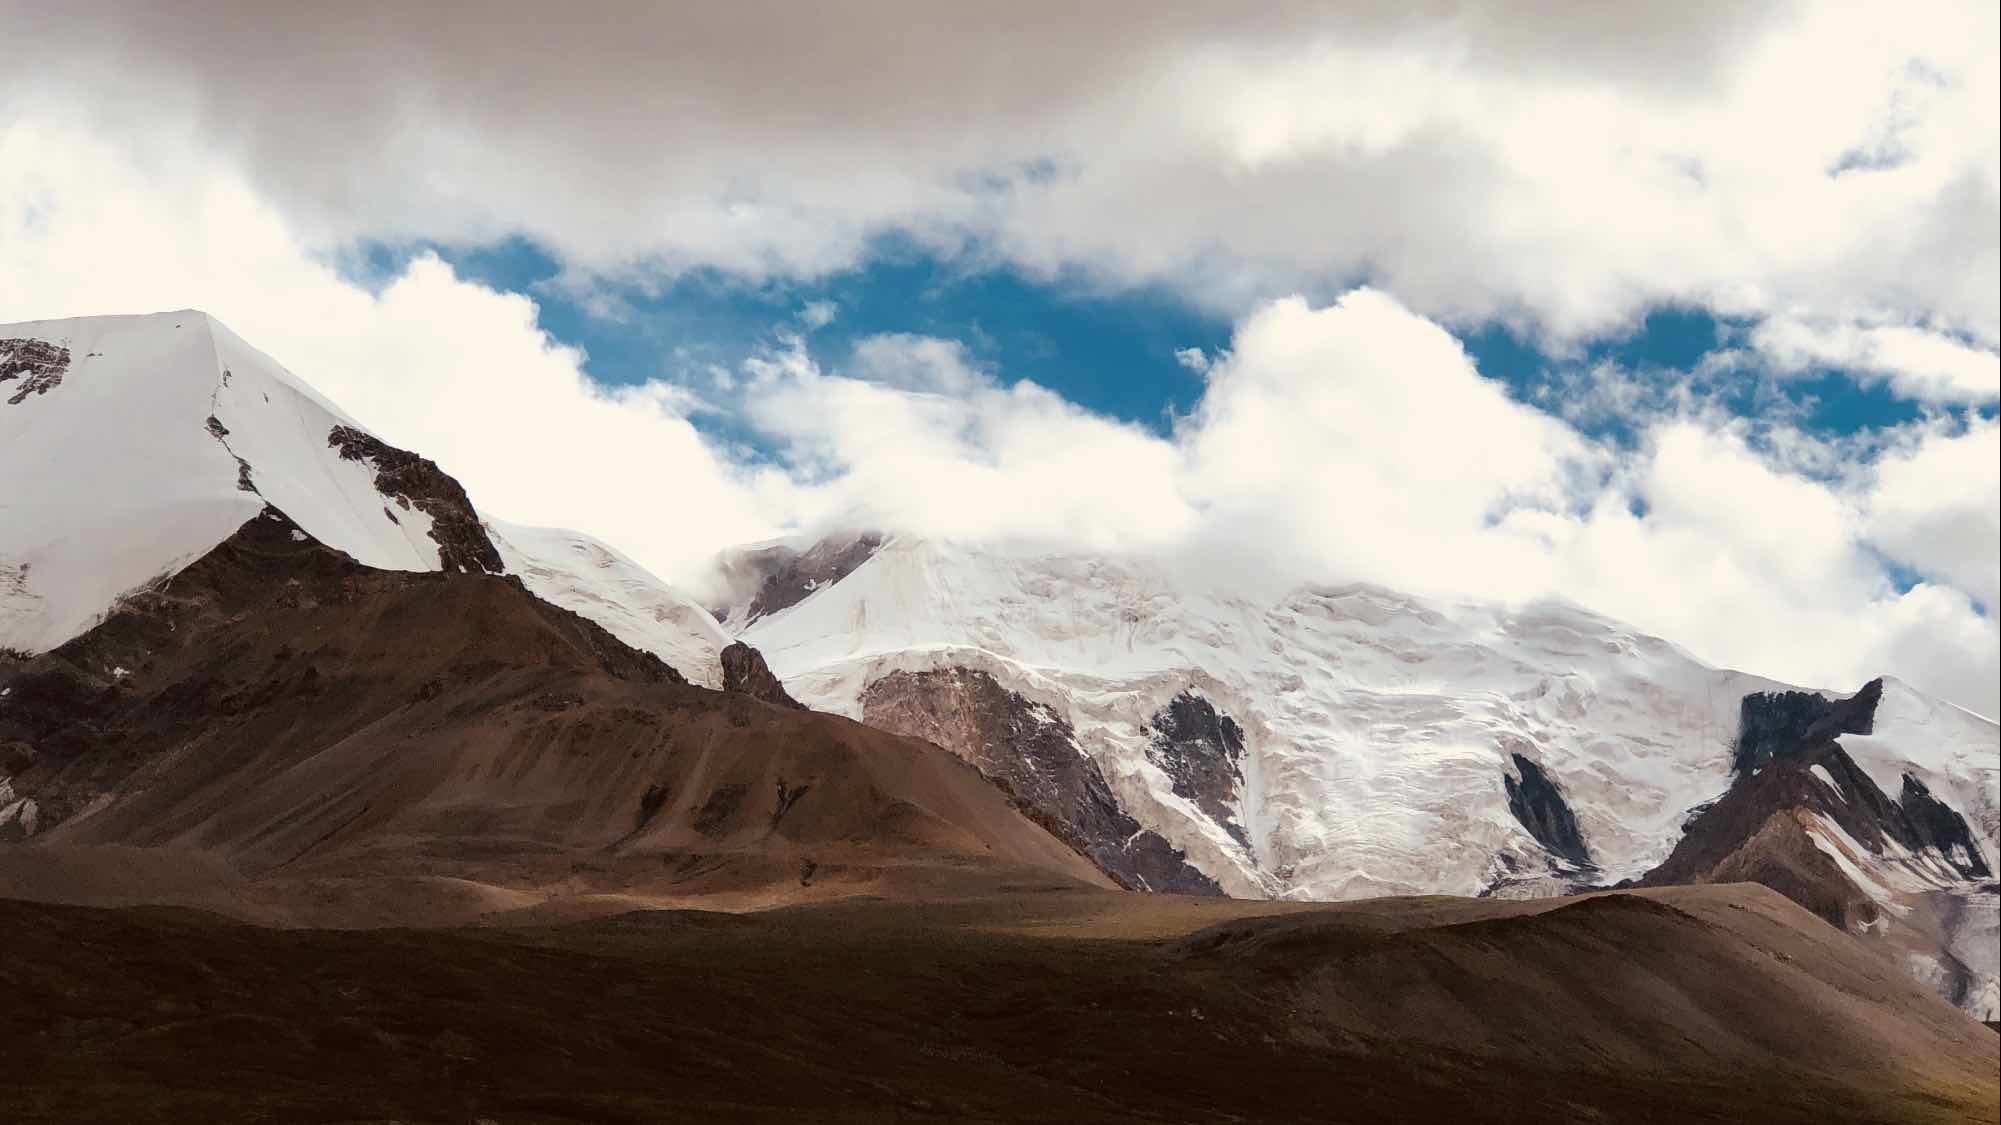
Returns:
<point x="1331" y="742"/>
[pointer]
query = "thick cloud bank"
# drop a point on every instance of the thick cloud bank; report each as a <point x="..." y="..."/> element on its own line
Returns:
<point x="1832" y="167"/>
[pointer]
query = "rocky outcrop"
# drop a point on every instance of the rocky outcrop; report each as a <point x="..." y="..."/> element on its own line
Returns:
<point x="411" y="481"/>
<point x="246" y="480"/>
<point x="1804" y="819"/>
<point x="1774" y="723"/>
<point x="770" y="579"/>
<point x="1539" y="805"/>
<point x="39" y="364"/>
<point x="746" y="673"/>
<point x="1760" y="831"/>
<point x="1201" y="751"/>
<point x="1032" y="752"/>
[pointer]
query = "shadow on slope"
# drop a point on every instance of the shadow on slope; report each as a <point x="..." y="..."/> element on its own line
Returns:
<point x="1692" y="1004"/>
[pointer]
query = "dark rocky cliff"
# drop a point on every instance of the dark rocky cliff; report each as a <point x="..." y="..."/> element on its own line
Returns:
<point x="410" y="481"/>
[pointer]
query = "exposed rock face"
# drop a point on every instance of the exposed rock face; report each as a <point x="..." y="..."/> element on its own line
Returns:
<point x="1934" y="824"/>
<point x="777" y="578"/>
<point x="1773" y="723"/>
<point x="1539" y="805"/>
<point x="1202" y="753"/>
<point x="746" y="673"/>
<point x="1758" y="832"/>
<point x="417" y="482"/>
<point x="1805" y="820"/>
<point x="39" y="365"/>
<point x="245" y="478"/>
<point x="1031" y="752"/>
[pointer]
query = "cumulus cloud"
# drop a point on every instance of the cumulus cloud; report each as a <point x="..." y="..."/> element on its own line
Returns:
<point x="912" y="436"/>
<point x="1936" y="507"/>
<point x="1357" y="440"/>
<point x="1360" y="439"/>
<point x="1563" y="167"/>
<point x="818" y="314"/>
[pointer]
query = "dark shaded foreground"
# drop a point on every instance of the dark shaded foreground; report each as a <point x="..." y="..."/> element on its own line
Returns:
<point x="1687" y="1004"/>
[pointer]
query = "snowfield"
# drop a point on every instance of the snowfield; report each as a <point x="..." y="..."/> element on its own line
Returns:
<point x="118" y="478"/>
<point x="1379" y="727"/>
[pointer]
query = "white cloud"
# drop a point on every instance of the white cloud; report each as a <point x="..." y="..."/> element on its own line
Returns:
<point x="431" y="362"/>
<point x="1194" y="359"/>
<point x="1566" y="166"/>
<point x="1357" y="441"/>
<point x="818" y="314"/>
<point x="917" y="438"/>
<point x="1936" y="507"/>
<point x="1920" y="364"/>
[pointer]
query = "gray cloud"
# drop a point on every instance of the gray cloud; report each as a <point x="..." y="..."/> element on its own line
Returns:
<point x="1468" y="157"/>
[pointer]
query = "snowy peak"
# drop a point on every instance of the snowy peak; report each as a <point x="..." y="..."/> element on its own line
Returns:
<point x="150" y="439"/>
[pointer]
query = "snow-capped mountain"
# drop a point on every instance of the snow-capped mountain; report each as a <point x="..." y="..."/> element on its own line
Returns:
<point x="137" y="443"/>
<point x="1330" y="743"/>
<point x="1335" y="742"/>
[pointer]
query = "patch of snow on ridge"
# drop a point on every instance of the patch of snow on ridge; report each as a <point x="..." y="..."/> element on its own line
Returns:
<point x="580" y="574"/>
<point x="1378" y="726"/>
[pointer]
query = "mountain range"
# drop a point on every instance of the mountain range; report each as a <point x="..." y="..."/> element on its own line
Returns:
<point x="237" y="623"/>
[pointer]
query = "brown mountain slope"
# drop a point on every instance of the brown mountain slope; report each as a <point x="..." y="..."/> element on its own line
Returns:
<point x="295" y="715"/>
<point x="1704" y="1004"/>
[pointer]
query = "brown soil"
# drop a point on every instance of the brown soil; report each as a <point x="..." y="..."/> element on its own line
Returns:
<point x="1684" y="1005"/>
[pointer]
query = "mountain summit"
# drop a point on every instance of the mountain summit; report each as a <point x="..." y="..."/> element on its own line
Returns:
<point x="144" y="441"/>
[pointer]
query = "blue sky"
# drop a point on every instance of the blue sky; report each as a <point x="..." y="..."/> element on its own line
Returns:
<point x="1112" y="352"/>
